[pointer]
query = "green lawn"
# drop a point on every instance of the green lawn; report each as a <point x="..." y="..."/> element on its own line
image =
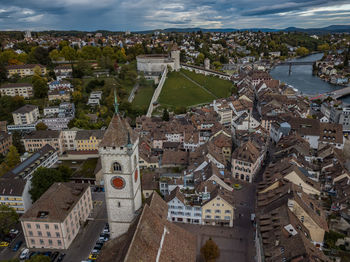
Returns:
<point x="143" y="97"/>
<point x="219" y="87"/>
<point x="179" y="91"/>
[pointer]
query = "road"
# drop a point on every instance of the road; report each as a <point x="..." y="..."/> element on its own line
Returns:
<point x="87" y="236"/>
<point x="133" y="92"/>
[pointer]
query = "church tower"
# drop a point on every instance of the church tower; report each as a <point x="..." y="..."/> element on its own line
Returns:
<point x="119" y="158"/>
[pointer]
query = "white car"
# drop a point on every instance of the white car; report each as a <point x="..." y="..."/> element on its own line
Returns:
<point x="14" y="231"/>
<point x="24" y="254"/>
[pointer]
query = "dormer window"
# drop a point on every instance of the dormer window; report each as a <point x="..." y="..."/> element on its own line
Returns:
<point x="117" y="167"/>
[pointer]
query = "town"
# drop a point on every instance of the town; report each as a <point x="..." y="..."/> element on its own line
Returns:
<point x="173" y="146"/>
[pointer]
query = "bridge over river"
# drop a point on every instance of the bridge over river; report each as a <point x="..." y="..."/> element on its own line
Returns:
<point x="295" y="63"/>
<point x="336" y="94"/>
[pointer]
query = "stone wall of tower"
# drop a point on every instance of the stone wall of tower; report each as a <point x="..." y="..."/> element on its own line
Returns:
<point x="175" y="54"/>
<point x="122" y="203"/>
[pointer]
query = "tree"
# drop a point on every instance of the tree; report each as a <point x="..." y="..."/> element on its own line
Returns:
<point x="302" y="51"/>
<point x="41" y="126"/>
<point x="68" y="53"/>
<point x="210" y="251"/>
<point x="200" y="59"/>
<point x="8" y="219"/>
<point x="12" y="158"/>
<point x="42" y="179"/>
<point x="77" y="96"/>
<point x="39" y="86"/>
<point x="54" y="55"/>
<point x="165" y="116"/>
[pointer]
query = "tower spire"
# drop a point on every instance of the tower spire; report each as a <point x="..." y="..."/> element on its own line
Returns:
<point x="116" y="105"/>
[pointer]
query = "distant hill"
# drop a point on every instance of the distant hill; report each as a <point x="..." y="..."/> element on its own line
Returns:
<point x="323" y="30"/>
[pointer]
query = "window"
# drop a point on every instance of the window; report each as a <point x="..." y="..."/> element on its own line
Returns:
<point x="57" y="234"/>
<point x="207" y="211"/>
<point x="50" y="242"/>
<point x="208" y="216"/>
<point x="59" y="242"/>
<point x="41" y="242"/>
<point x="46" y="226"/>
<point x="117" y="167"/>
<point x="56" y="227"/>
<point x="29" y="226"/>
<point x="40" y="234"/>
<point x="30" y="233"/>
<point x="32" y="241"/>
<point x="217" y="211"/>
<point x="217" y="217"/>
<point x="227" y="217"/>
<point x="302" y="219"/>
<point x="37" y="226"/>
<point x="227" y="211"/>
<point x="48" y="234"/>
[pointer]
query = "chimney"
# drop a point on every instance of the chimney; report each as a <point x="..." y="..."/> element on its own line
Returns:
<point x="205" y="189"/>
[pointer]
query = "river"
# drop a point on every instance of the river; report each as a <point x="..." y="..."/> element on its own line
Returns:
<point x="302" y="79"/>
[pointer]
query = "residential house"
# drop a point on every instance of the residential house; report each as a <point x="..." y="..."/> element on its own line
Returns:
<point x="5" y="142"/>
<point x="246" y="162"/>
<point x="88" y="140"/>
<point x="37" y="139"/>
<point x="219" y="209"/>
<point x="181" y="211"/>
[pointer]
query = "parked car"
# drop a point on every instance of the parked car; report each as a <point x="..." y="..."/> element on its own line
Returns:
<point x="17" y="246"/>
<point x="4" y="244"/>
<point x="24" y="254"/>
<point x="93" y="256"/>
<point x="60" y="257"/>
<point x="14" y="231"/>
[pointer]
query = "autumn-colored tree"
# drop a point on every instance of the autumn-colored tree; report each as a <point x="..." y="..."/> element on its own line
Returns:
<point x="302" y="51"/>
<point x="210" y="251"/>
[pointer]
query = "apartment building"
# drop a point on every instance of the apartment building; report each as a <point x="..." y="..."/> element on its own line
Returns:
<point x="27" y="114"/>
<point x="55" y="218"/>
<point x="25" y="70"/>
<point x="14" y="193"/>
<point x="17" y="89"/>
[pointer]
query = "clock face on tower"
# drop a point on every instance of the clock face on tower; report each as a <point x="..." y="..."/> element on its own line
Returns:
<point x="118" y="182"/>
<point x="136" y="175"/>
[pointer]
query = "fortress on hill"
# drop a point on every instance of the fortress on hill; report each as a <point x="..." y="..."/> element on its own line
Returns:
<point x="153" y="65"/>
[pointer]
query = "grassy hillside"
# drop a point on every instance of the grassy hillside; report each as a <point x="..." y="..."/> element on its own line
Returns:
<point x="179" y="91"/>
<point x="219" y="87"/>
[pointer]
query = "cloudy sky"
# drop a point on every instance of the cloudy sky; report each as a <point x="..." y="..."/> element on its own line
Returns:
<point x="153" y="14"/>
